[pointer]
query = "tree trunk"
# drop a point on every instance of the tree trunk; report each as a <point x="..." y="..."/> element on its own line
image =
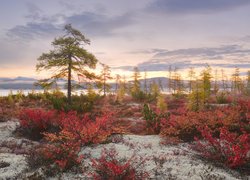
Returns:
<point x="69" y="80"/>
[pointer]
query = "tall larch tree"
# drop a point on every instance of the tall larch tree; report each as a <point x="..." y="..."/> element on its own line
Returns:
<point x="68" y="57"/>
<point x="136" y="85"/>
<point x="206" y="83"/>
<point x="104" y="77"/>
<point x="236" y="81"/>
<point x="191" y="76"/>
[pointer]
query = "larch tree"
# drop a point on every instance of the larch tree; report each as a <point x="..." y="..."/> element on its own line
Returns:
<point x="216" y="83"/>
<point x="135" y="88"/>
<point x="191" y="76"/>
<point x="68" y="57"/>
<point x="223" y="80"/>
<point x="206" y="83"/>
<point x="236" y="81"/>
<point x="145" y="83"/>
<point x="103" y="79"/>
<point x="117" y="82"/>
<point x="170" y="78"/>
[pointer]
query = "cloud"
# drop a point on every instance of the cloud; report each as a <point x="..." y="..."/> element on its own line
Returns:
<point x="33" y="30"/>
<point x="100" y="25"/>
<point x="194" y="6"/>
<point x="205" y="52"/>
<point x="147" y="51"/>
<point x="228" y="56"/>
<point x="90" y="23"/>
<point x="182" y="66"/>
<point x="34" y="12"/>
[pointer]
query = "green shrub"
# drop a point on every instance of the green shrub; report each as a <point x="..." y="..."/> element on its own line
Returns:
<point x="153" y="118"/>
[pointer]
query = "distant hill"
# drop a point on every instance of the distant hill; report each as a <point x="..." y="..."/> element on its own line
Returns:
<point x="28" y="83"/>
<point x="18" y="83"/>
<point x="19" y="78"/>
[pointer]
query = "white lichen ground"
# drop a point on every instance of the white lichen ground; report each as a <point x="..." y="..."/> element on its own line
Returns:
<point x="17" y="163"/>
<point x="180" y="162"/>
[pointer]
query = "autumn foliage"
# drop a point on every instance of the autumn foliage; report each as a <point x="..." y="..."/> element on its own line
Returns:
<point x="73" y="132"/>
<point x="230" y="148"/>
<point x="185" y="126"/>
<point x="34" y="122"/>
<point x="108" y="166"/>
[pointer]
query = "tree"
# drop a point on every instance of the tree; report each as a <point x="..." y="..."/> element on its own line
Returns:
<point x="117" y="82"/>
<point x="206" y="83"/>
<point x="161" y="103"/>
<point x="154" y="90"/>
<point x="191" y="75"/>
<point x="68" y="57"/>
<point x="145" y="83"/>
<point x="121" y="92"/>
<point x="195" y="97"/>
<point x="177" y="83"/>
<point x="104" y="77"/>
<point x="216" y="84"/>
<point x="236" y="81"/>
<point x="136" y="85"/>
<point x="223" y="79"/>
<point x="170" y="78"/>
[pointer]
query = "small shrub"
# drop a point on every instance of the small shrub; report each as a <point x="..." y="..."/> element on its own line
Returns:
<point x="34" y="122"/>
<point x="185" y="126"/>
<point x="108" y="167"/>
<point x="63" y="148"/>
<point x="154" y="118"/>
<point x="55" y="158"/>
<point x="230" y="148"/>
<point x="86" y="130"/>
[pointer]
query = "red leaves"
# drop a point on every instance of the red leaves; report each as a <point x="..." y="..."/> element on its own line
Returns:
<point x="36" y="118"/>
<point x="229" y="148"/>
<point x="185" y="126"/>
<point x="109" y="167"/>
<point x="63" y="148"/>
<point x="86" y="130"/>
<point x="34" y="122"/>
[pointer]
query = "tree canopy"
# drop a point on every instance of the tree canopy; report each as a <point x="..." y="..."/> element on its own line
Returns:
<point x="67" y="58"/>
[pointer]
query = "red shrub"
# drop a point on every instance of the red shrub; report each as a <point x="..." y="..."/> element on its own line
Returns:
<point x="185" y="126"/>
<point x="154" y="119"/>
<point x="109" y="167"/>
<point x="36" y="118"/>
<point x="63" y="148"/>
<point x="86" y="130"/>
<point x="36" y="121"/>
<point x="229" y="148"/>
<point x="245" y="109"/>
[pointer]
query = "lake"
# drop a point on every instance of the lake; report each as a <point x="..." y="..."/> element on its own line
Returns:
<point x="6" y="92"/>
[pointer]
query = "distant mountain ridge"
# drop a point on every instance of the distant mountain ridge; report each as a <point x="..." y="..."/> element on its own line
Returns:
<point x="28" y="83"/>
<point x="19" y="78"/>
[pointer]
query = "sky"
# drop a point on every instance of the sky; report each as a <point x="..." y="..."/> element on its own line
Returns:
<point x="149" y="34"/>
